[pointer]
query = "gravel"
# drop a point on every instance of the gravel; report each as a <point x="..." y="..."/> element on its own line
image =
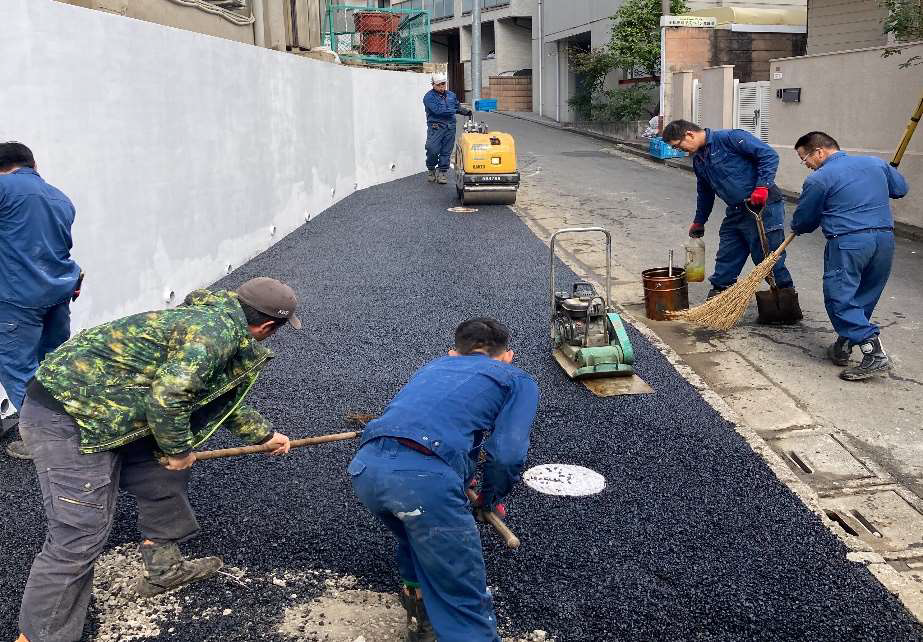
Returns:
<point x="693" y="536"/>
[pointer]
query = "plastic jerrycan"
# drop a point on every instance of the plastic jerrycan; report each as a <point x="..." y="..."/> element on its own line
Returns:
<point x="695" y="260"/>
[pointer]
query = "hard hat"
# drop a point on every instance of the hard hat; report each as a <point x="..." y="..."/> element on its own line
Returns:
<point x="438" y="78"/>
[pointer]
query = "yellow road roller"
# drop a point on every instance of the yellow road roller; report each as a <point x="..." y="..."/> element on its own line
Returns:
<point x="485" y="166"/>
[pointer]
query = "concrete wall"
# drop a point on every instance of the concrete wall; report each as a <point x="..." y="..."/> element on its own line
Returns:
<point x="838" y="25"/>
<point x="513" y="45"/>
<point x="181" y="151"/>
<point x="862" y="100"/>
<point x="718" y="97"/>
<point x="171" y="14"/>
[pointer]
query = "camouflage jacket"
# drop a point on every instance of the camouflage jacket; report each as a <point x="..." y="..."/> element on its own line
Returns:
<point x="177" y="374"/>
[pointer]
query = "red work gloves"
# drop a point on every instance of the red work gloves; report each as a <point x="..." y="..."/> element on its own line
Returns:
<point x="759" y="196"/>
<point x="696" y="231"/>
<point x="478" y="505"/>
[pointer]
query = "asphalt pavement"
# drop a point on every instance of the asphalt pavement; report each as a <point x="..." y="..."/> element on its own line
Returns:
<point x="692" y="538"/>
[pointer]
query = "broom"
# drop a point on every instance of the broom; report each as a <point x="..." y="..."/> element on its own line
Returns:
<point x="722" y="311"/>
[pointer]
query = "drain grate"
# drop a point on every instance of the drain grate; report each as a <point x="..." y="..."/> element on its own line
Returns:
<point x="883" y="519"/>
<point x="822" y="458"/>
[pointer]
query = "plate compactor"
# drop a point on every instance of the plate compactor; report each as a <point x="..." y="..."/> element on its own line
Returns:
<point x="589" y="337"/>
<point x="485" y="166"/>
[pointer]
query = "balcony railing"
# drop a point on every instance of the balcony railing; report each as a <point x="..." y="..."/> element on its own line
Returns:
<point x="438" y="9"/>
<point x="467" y="5"/>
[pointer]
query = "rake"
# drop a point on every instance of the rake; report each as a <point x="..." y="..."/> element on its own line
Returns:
<point x="724" y="310"/>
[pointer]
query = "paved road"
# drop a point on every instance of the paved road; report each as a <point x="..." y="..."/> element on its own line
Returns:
<point x="575" y="179"/>
<point x="693" y="537"/>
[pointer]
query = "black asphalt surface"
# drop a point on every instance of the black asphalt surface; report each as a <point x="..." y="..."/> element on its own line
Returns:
<point x="693" y="538"/>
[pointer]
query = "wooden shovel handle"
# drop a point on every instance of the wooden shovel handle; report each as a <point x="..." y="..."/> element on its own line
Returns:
<point x="296" y="443"/>
<point x="494" y="520"/>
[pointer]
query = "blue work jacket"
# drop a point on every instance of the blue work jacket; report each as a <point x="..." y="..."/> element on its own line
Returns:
<point x="441" y="108"/>
<point x="848" y="194"/>
<point x="450" y="403"/>
<point x="731" y="164"/>
<point x="36" y="270"/>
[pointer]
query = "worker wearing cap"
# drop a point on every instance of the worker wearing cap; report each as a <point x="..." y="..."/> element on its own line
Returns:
<point x="416" y="461"/>
<point x="740" y="169"/>
<point x="112" y="401"/>
<point x="441" y="106"/>
<point x="848" y="197"/>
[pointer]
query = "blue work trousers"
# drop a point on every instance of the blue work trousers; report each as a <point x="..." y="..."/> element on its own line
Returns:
<point x="26" y="336"/>
<point x="439" y="141"/>
<point x="422" y="501"/>
<point x="856" y="269"/>
<point x="739" y="238"/>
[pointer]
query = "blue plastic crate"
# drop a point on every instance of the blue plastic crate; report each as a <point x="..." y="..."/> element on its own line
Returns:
<point x="659" y="149"/>
<point x="485" y="104"/>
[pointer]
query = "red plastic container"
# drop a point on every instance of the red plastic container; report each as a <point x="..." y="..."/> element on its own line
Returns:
<point x="375" y="44"/>
<point x="376" y="22"/>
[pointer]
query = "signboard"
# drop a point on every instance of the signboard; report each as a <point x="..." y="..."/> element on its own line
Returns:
<point x="688" y="21"/>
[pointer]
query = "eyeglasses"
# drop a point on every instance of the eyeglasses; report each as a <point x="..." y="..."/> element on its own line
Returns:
<point x="676" y="145"/>
<point x="808" y="155"/>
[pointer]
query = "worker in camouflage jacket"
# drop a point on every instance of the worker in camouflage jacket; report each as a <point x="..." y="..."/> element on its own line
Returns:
<point x="123" y="406"/>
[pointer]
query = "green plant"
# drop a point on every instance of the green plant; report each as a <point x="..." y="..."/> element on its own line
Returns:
<point x="905" y="22"/>
<point x="634" y="45"/>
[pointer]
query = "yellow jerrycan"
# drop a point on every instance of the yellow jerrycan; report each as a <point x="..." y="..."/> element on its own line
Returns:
<point x="695" y="260"/>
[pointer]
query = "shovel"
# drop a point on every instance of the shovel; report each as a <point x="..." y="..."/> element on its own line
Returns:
<point x="775" y="305"/>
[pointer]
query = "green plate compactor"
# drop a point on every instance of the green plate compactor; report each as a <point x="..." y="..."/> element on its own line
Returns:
<point x="589" y="337"/>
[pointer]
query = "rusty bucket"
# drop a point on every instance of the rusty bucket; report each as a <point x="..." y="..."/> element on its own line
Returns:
<point x="664" y="293"/>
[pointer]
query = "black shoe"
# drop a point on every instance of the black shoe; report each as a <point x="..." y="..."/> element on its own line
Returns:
<point x="839" y="351"/>
<point x="874" y="361"/>
<point x="419" y="628"/>
<point x="714" y="292"/>
<point x="166" y="569"/>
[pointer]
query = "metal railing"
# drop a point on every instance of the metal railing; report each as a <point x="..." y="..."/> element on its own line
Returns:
<point x="468" y="5"/>
<point x="438" y="9"/>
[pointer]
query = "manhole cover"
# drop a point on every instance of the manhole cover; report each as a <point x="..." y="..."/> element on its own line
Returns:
<point x="463" y="210"/>
<point x="564" y="479"/>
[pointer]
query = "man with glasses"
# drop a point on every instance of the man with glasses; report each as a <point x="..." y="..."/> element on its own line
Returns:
<point x="416" y="462"/>
<point x="740" y="169"/>
<point x="848" y="197"/>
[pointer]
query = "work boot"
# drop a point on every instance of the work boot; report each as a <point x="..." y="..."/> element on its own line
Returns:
<point x="18" y="449"/>
<point x="431" y="176"/>
<point x="874" y="361"/>
<point x="419" y="628"/>
<point x="441" y="178"/>
<point x="839" y="351"/>
<point x="165" y="569"/>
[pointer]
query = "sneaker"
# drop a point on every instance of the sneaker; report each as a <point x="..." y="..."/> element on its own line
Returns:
<point x="18" y="450"/>
<point x="839" y="351"/>
<point x="441" y="178"/>
<point x="874" y="361"/>
<point x="166" y="569"/>
<point x="419" y="628"/>
<point x="431" y="176"/>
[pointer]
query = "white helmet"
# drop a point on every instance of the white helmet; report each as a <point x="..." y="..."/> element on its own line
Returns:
<point x="439" y="78"/>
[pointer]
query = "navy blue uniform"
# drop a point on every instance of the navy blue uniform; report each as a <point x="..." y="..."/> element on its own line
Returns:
<point x="37" y="276"/>
<point x="848" y="198"/>
<point x="446" y="407"/>
<point x="440" y="127"/>
<point x="731" y="164"/>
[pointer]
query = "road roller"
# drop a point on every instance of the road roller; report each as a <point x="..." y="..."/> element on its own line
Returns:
<point x="485" y="166"/>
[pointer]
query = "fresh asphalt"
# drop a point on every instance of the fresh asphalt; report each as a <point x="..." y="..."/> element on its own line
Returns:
<point x="693" y="536"/>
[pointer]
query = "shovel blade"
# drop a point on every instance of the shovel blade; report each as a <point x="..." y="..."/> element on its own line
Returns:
<point x="779" y="306"/>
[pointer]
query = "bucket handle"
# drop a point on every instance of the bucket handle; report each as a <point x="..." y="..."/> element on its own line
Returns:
<point x="582" y="230"/>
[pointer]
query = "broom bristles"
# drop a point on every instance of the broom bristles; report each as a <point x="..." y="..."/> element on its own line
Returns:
<point x="724" y="310"/>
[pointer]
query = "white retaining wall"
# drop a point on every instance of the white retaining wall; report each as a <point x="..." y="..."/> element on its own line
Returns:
<point x="182" y="152"/>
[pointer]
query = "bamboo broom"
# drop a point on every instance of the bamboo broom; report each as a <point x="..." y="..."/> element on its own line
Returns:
<point x="724" y="310"/>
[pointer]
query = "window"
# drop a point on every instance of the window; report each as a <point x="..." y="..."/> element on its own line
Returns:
<point x="437" y="8"/>
<point x="485" y="4"/>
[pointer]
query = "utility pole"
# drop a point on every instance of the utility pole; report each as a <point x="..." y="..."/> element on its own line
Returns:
<point x="664" y="11"/>
<point x="476" y="52"/>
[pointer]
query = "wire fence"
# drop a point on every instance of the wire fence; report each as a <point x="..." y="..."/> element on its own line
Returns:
<point x="383" y="36"/>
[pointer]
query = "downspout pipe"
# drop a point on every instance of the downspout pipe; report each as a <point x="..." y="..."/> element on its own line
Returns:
<point x="541" y="56"/>
<point x="475" y="52"/>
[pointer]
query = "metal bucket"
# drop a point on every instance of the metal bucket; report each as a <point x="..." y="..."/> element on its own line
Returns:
<point x="664" y="293"/>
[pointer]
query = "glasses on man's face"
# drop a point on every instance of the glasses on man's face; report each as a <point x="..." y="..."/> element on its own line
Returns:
<point x="676" y="145"/>
<point x="807" y="156"/>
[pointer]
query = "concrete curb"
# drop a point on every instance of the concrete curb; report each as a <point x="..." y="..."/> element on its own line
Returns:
<point x="901" y="230"/>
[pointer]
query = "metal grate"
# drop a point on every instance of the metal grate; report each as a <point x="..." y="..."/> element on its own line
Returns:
<point x="382" y="36"/>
